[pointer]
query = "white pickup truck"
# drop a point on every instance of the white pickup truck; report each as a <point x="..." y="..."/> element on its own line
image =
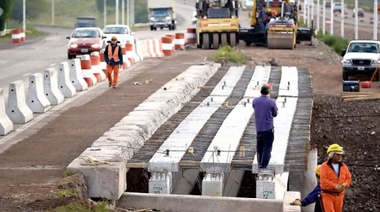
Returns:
<point x="362" y="57"/>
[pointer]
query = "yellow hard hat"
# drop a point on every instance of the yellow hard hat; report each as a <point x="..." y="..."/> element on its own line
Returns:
<point x="114" y="38"/>
<point x="269" y="10"/>
<point x="335" y="148"/>
<point x="318" y="170"/>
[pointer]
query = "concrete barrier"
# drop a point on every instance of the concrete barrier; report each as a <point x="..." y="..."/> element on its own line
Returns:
<point x="139" y="49"/>
<point x="76" y="75"/>
<point x="192" y="203"/>
<point x="53" y="94"/>
<point x="17" y="109"/>
<point x="158" y="48"/>
<point x="36" y="99"/>
<point x="6" y="125"/>
<point x="64" y="84"/>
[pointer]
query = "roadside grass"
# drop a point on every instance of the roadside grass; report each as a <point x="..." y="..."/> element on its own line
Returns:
<point x="227" y="53"/>
<point x="336" y="43"/>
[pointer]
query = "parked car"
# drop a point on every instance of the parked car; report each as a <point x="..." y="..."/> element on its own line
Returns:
<point x="361" y="58"/>
<point x="85" y="41"/>
<point x="360" y="12"/>
<point x="122" y="32"/>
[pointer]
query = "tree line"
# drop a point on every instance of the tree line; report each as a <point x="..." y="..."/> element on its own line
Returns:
<point x="13" y="9"/>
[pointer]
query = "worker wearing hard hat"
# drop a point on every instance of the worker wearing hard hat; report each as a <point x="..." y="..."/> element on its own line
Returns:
<point x="313" y="196"/>
<point x="335" y="178"/>
<point x="114" y="58"/>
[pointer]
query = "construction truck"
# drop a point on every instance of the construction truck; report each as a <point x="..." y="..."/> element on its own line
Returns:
<point x="217" y="23"/>
<point x="162" y="14"/>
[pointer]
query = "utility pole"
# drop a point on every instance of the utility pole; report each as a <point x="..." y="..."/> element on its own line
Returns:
<point x="117" y="12"/>
<point x="52" y="12"/>
<point x="332" y="18"/>
<point x="23" y="14"/>
<point x="342" y="13"/>
<point x="324" y="18"/>
<point x="356" y="20"/>
<point x="122" y="11"/>
<point x="105" y="11"/>
<point x="375" y="20"/>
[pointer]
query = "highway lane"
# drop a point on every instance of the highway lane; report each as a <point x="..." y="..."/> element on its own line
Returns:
<point x="20" y="61"/>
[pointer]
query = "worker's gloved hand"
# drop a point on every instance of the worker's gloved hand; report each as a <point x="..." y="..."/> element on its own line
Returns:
<point x="339" y="187"/>
<point x="296" y="202"/>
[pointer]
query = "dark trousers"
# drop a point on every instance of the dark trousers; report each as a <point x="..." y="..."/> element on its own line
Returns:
<point x="264" y="147"/>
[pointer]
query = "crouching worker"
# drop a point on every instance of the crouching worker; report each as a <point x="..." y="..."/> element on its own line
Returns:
<point x="313" y="196"/>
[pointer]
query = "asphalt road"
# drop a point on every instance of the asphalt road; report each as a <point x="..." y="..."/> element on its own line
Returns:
<point x="20" y="61"/>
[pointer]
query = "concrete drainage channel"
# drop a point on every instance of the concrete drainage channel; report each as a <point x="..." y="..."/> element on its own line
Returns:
<point x="132" y="143"/>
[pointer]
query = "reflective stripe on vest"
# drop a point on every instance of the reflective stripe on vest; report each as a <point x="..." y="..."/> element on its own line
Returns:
<point x="115" y="55"/>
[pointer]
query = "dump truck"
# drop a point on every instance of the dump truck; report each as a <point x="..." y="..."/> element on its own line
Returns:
<point x="217" y="23"/>
<point x="162" y="14"/>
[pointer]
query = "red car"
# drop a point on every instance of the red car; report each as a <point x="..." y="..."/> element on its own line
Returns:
<point x="84" y="41"/>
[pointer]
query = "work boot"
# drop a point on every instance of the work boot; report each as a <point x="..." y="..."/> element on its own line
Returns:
<point x="114" y="87"/>
<point x="109" y="84"/>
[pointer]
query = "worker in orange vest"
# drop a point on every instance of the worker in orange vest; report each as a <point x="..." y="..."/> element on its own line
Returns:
<point x="114" y="58"/>
<point x="334" y="178"/>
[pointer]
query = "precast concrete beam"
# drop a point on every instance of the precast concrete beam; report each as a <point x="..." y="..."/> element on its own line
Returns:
<point x="233" y="182"/>
<point x="212" y="184"/>
<point x="219" y="154"/>
<point x="170" y="153"/>
<point x="193" y="203"/>
<point x="187" y="181"/>
<point x="287" y="104"/>
<point x="104" y="180"/>
<point x="160" y="183"/>
<point x="105" y="171"/>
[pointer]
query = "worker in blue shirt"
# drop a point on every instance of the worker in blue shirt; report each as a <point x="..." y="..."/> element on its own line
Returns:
<point x="261" y="19"/>
<point x="313" y="196"/>
<point x="265" y="110"/>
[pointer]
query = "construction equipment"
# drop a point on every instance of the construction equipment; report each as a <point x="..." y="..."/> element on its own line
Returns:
<point x="282" y="31"/>
<point x="217" y="23"/>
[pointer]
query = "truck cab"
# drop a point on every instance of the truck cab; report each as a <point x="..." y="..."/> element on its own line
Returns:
<point x="362" y="57"/>
<point x="162" y="14"/>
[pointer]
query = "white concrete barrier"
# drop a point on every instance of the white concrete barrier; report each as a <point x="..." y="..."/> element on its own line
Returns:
<point x="140" y="49"/>
<point x="53" y="94"/>
<point x="76" y="75"/>
<point x="36" y="99"/>
<point x="6" y="125"/>
<point x="64" y="84"/>
<point x="17" y="109"/>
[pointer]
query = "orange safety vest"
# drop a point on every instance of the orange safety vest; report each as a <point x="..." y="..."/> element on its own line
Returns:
<point x="115" y="55"/>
